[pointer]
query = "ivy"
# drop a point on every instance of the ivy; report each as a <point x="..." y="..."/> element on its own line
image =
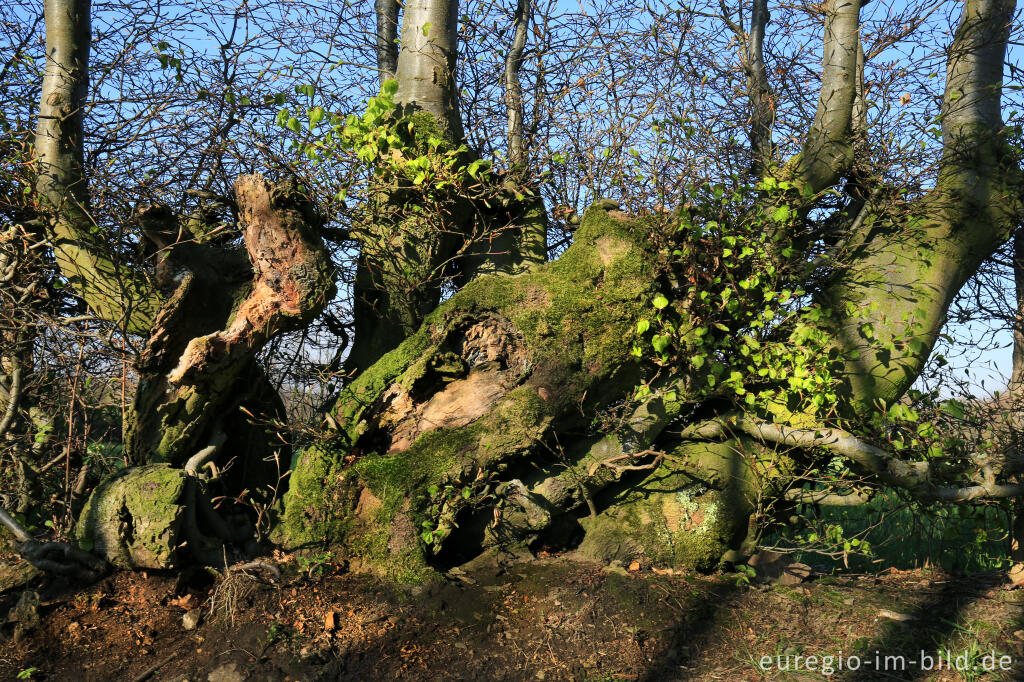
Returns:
<point x="735" y="322"/>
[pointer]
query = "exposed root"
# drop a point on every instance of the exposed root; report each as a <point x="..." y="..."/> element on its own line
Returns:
<point x="59" y="558"/>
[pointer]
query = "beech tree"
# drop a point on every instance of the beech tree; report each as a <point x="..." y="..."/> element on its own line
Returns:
<point x="674" y="380"/>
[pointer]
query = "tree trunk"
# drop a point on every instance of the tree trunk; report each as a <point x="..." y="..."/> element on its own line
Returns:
<point x="204" y="406"/>
<point x="475" y="432"/>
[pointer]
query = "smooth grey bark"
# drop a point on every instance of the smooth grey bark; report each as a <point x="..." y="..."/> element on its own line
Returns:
<point x="906" y="261"/>
<point x="113" y="292"/>
<point x="387" y="34"/>
<point x="974" y="70"/>
<point x="65" y="86"/>
<point x="759" y="92"/>
<point x="426" y="62"/>
<point x="827" y="151"/>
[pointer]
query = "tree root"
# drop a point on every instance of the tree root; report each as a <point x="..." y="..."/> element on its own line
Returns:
<point x="59" y="558"/>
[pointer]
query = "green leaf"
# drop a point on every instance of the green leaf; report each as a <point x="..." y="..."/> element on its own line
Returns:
<point x="389" y="87"/>
<point x="661" y="342"/>
<point x="426" y="28"/>
<point x="293" y="124"/>
<point x="642" y="326"/>
<point x="316" y="114"/>
<point x="953" y="408"/>
<point x="660" y="302"/>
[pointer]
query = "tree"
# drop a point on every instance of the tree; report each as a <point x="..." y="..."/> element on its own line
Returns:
<point x="665" y="387"/>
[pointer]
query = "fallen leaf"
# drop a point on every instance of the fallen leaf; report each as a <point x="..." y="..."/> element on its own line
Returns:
<point x="634" y="566"/>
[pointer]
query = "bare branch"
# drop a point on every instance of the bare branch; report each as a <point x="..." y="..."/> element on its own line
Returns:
<point x="912" y="476"/>
<point x="828" y="499"/>
<point x="13" y="396"/>
<point x="387" y="35"/>
<point x="513" y="88"/>
<point x="827" y="151"/>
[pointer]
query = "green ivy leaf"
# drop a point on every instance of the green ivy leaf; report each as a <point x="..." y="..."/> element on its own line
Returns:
<point x="953" y="408"/>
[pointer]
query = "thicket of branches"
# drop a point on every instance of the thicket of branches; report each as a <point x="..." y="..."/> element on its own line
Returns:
<point x="637" y="103"/>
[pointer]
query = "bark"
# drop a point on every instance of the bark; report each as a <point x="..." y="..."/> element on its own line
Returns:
<point x="426" y="62"/>
<point x="449" y="445"/>
<point x="203" y="415"/>
<point x="407" y="249"/>
<point x="827" y="151"/>
<point x="759" y="92"/>
<point x="1015" y="395"/>
<point x="513" y="88"/>
<point x="112" y="291"/>
<point x="404" y="257"/>
<point x="387" y="34"/>
<point x="199" y="365"/>
<point x="472" y="434"/>
<point x="906" y="261"/>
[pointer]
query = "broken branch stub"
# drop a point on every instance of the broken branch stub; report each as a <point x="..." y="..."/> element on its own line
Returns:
<point x="294" y="277"/>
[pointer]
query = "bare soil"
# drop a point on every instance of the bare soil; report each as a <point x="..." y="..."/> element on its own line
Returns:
<point x="550" y="619"/>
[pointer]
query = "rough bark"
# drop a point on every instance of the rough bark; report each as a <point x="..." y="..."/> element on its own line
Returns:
<point x="405" y="252"/>
<point x="471" y="435"/>
<point x="199" y="366"/>
<point x="198" y="411"/>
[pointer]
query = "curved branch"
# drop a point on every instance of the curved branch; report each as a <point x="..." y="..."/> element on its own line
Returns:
<point x="13" y="396"/>
<point x="914" y="477"/>
<point x="829" y="499"/>
<point x="827" y="152"/>
<point x="116" y="293"/>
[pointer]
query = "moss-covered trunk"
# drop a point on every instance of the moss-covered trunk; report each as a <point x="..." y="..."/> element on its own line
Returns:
<point x="478" y="432"/>
<point x="202" y="421"/>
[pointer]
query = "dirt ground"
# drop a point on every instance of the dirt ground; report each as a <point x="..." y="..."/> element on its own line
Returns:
<point x="549" y="619"/>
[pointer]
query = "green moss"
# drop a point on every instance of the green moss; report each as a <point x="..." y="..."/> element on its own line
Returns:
<point x="134" y="518"/>
<point x="368" y="386"/>
<point x="572" y="315"/>
<point x="688" y="527"/>
<point x="316" y="509"/>
<point x="686" y="514"/>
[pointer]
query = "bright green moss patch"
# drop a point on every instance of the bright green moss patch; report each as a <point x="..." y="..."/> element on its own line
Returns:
<point x="134" y="518"/>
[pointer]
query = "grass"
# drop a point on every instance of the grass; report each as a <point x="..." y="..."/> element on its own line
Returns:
<point x="961" y="538"/>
